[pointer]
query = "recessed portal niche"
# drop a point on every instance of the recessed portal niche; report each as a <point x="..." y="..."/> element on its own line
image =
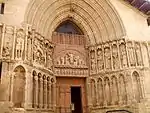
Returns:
<point x="68" y="33"/>
<point x="69" y="27"/>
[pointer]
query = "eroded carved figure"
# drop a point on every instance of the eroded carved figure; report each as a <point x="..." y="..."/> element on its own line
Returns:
<point x="93" y="62"/>
<point x="100" y="62"/>
<point x="138" y="55"/>
<point x="131" y="54"/>
<point x="49" y="60"/>
<point x="115" y="57"/>
<point x="6" y="50"/>
<point x="123" y="55"/>
<point x="20" y="44"/>
<point x="71" y="60"/>
<point x="107" y="58"/>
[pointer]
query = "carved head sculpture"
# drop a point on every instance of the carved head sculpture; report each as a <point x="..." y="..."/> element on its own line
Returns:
<point x="99" y="52"/>
<point x="92" y="54"/>
<point x="20" y="34"/>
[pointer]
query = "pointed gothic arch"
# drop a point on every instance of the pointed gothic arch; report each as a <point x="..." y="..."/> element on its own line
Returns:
<point x="136" y="86"/>
<point x="99" y="22"/>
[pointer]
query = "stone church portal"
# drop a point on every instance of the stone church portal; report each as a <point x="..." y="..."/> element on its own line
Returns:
<point x="74" y="56"/>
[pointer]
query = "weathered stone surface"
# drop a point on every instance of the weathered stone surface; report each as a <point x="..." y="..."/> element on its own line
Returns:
<point x="109" y="62"/>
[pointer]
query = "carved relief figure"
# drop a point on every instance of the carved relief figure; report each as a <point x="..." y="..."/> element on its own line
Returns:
<point x="93" y="62"/>
<point x="39" y="56"/>
<point x="20" y="44"/>
<point x="115" y="57"/>
<point x="49" y="60"/>
<point x="131" y="54"/>
<point x="138" y="54"/>
<point x="71" y="60"/>
<point x="6" y="51"/>
<point x="123" y="55"/>
<point x="107" y="58"/>
<point x="100" y="62"/>
<point x="29" y="48"/>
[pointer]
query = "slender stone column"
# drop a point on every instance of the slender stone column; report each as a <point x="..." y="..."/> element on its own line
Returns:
<point x="49" y="94"/>
<point x="142" y="53"/>
<point x="104" y="92"/>
<point x="103" y="58"/>
<point x="45" y="92"/>
<point x="148" y="49"/>
<point x="132" y="86"/>
<point x="32" y="48"/>
<point x="119" y="92"/>
<point x="111" y="93"/>
<point x="36" y="92"/>
<point x="89" y="92"/>
<point x="97" y="93"/>
<point x="142" y="87"/>
<point x="29" y="91"/>
<point x="134" y="52"/>
<point x="26" y="42"/>
<point x="111" y="56"/>
<point x="41" y="92"/>
<point x="11" y="86"/>
<point x="54" y="95"/>
<point x="14" y="43"/>
<point x="127" y="51"/>
<point x="2" y="40"/>
<point x="119" y="55"/>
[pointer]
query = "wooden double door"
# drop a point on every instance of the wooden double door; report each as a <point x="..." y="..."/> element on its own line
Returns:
<point x="71" y="95"/>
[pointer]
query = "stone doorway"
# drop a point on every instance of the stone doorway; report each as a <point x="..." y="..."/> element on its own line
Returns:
<point x="76" y="103"/>
<point x="68" y="89"/>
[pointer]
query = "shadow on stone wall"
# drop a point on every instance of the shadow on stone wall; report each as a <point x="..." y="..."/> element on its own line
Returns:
<point x="5" y="107"/>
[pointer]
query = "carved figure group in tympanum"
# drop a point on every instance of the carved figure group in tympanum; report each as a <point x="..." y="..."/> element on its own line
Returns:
<point x="71" y="59"/>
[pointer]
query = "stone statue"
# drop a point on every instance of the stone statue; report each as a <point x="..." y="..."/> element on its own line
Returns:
<point x="123" y="55"/>
<point x="19" y="47"/>
<point x="100" y="62"/>
<point x="107" y="91"/>
<point x="49" y="60"/>
<point x="70" y="58"/>
<point x="62" y="60"/>
<point x="138" y="55"/>
<point x="107" y="58"/>
<point x="93" y="62"/>
<point x="115" y="58"/>
<point x="131" y="55"/>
